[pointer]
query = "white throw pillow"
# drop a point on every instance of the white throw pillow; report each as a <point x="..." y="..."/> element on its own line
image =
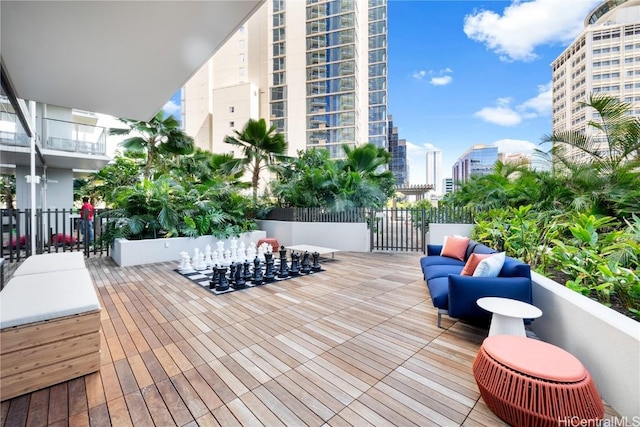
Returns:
<point x="490" y="267"/>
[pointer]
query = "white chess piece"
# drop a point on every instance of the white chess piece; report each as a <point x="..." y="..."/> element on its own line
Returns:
<point x="234" y="249"/>
<point x="208" y="261"/>
<point x="227" y="258"/>
<point x="242" y="253"/>
<point x="251" y="251"/>
<point x="200" y="264"/>
<point x="261" y="250"/>
<point x="183" y="255"/>
<point x="187" y="267"/>
<point x="220" y="249"/>
<point x="196" y="256"/>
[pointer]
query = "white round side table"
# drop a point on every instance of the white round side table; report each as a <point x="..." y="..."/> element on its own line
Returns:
<point x="508" y="315"/>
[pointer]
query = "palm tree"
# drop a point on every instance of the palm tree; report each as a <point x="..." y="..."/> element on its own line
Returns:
<point x="261" y="148"/>
<point x="159" y="135"/>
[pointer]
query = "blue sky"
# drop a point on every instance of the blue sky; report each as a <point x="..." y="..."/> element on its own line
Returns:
<point x="472" y="72"/>
<point x="475" y="72"/>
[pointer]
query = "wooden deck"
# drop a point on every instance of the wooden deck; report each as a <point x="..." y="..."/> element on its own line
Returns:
<point x="354" y="345"/>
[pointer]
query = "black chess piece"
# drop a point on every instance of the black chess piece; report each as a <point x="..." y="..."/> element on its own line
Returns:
<point x="284" y="266"/>
<point x="258" y="278"/>
<point x="239" y="282"/>
<point x="222" y="274"/>
<point x="316" y="264"/>
<point x="247" y="270"/>
<point x="269" y="274"/>
<point x="232" y="273"/>
<point x="306" y="264"/>
<point x="295" y="264"/>
<point x="215" y="278"/>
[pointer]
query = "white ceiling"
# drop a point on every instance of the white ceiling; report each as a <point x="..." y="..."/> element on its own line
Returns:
<point x="122" y="58"/>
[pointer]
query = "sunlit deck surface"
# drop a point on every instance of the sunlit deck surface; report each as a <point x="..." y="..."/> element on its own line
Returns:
<point x="355" y="345"/>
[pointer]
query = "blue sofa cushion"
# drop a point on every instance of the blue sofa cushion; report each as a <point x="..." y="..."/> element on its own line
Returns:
<point x="514" y="268"/>
<point x="433" y="260"/>
<point x="439" y="290"/>
<point x="435" y="271"/>
<point x="479" y="248"/>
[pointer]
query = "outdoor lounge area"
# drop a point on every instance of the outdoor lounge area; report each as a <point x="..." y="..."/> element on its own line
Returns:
<point x="355" y="345"/>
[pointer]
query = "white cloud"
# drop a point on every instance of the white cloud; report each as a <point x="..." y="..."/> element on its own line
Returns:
<point x="504" y="115"/>
<point x="441" y="81"/>
<point x="523" y="26"/>
<point x="515" y="146"/>
<point x="171" y="108"/>
<point x="419" y="75"/>
<point x="501" y="115"/>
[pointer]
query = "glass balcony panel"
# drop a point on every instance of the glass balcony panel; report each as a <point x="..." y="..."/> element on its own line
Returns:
<point x="74" y="137"/>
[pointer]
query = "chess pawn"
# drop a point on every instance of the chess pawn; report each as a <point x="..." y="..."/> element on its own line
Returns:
<point x="223" y="285"/>
<point x="284" y="267"/>
<point x="200" y="264"/>
<point x="239" y="282"/>
<point x="183" y="255"/>
<point x="215" y="278"/>
<point x="208" y="261"/>
<point x="316" y="264"/>
<point x="258" y="278"/>
<point x="251" y="251"/>
<point x="227" y="258"/>
<point x="261" y="251"/>
<point x="295" y="264"/>
<point x="247" y="271"/>
<point x="187" y="267"/>
<point x="196" y="256"/>
<point x="214" y="258"/>
<point x="306" y="264"/>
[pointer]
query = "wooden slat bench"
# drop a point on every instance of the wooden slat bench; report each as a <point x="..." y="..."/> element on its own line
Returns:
<point x="49" y="329"/>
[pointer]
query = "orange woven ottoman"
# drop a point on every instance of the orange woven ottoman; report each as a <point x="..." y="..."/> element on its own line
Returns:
<point x="527" y="382"/>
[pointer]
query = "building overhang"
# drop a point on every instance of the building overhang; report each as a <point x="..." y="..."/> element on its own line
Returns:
<point x="122" y="58"/>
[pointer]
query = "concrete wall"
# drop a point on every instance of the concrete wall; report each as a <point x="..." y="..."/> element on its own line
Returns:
<point x="437" y="232"/>
<point x="341" y="236"/>
<point x="605" y="341"/>
<point x="126" y="253"/>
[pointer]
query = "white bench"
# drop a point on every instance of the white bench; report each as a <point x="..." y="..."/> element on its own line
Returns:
<point x="49" y="325"/>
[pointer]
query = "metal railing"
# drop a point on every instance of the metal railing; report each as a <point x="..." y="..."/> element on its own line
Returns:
<point x="55" y="230"/>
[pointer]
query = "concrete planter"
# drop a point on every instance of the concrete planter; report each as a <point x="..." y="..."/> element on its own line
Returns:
<point x="351" y="236"/>
<point x="605" y="341"/>
<point x="136" y="252"/>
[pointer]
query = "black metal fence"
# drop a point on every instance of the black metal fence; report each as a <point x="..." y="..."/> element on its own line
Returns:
<point x="317" y="215"/>
<point x="55" y="230"/>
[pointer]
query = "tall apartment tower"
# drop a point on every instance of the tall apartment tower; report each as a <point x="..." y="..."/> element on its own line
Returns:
<point x="317" y="70"/>
<point x="398" y="149"/>
<point x="434" y="170"/>
<point x="605" y="59"/>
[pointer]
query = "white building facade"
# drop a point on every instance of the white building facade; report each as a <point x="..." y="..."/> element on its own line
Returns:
<point x="603" y="59"/>
<point x="434" y="170"/>
<point x="316" y="70"/>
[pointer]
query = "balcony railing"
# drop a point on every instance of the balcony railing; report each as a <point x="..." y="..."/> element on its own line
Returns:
<point x="74" y="137"/>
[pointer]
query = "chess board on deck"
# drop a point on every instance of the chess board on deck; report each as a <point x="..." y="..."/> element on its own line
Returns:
<point x="203" y="278"/>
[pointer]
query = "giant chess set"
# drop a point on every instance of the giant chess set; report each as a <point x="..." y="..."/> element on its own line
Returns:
<point x="240" y="267"/>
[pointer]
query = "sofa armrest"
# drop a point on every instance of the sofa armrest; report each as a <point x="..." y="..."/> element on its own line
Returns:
<point x="434" y="249"/>
<point x="464" y="291"/>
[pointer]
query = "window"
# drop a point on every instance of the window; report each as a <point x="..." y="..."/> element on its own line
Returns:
<point x="241" y="71"/>
<point x="241" y="44"/>
<point x="241" y="57"/>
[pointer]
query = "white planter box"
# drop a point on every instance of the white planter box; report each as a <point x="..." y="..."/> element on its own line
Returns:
<point x="347" y="236"/>
<point x="605" y="341"/>
<point x="136" y="252"/>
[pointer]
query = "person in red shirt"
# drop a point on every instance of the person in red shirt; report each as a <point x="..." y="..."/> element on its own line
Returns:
<point x="86" y="219"/>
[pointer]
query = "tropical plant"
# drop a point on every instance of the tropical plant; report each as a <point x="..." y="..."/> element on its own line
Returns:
<point x="8" y="191"/>
<point x="261" y="148"/>
<point x="159" y="135"/>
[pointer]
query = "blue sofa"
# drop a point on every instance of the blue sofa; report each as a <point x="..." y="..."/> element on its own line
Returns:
<point x="456" y="295"/>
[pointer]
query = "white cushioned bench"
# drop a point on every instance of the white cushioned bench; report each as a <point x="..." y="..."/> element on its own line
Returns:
<point x="46" y="263"/>
<point x="49" y="327"/>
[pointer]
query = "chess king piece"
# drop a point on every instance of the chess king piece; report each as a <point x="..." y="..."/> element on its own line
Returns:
<point x="306" y="264"/>
<point x="316" y="264"/>
<point x="220" y="250"/>
<point x="258" y="278"/>
<point x="269" y="274"/>
<point x="239" y="282"/>
<point x="223" y="285"/>
<point x="284" y="267"/>
<point x="295" y="264"/>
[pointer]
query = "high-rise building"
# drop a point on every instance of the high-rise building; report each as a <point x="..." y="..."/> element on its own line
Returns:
<point x="476" y="161"/>
<point x="447" y="184"/>
<point x="398" y="150"/>
<point x="434" y="170"/>
<point x="316" y="70"/>
<point x="603" y="59"/>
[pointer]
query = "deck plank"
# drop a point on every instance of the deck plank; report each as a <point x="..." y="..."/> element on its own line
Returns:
<point x="356" y="345"/>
